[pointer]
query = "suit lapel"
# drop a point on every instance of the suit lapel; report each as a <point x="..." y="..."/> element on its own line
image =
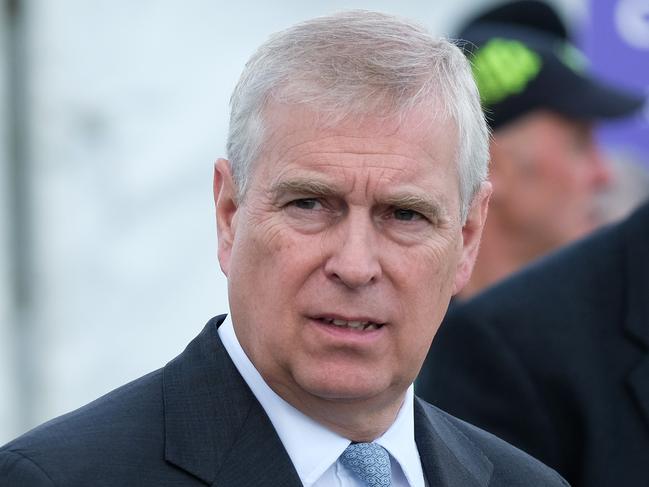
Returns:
<point x="447" y="456"/>
<point x="266" y="461"/>
<point x="636" y="235"/>
<point x="214" y="427"/>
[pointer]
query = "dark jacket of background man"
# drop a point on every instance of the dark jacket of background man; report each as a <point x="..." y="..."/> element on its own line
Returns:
<point x="556" y="359"/>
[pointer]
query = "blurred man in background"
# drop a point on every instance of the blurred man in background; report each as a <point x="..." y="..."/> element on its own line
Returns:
<point x="542" y="105"/>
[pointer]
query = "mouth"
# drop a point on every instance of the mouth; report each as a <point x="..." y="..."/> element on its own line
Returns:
<point x="359" y="325"/>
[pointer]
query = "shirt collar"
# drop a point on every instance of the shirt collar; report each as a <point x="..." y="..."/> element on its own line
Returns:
<point x="399" y="440"/>
<point x="297" y="431"/>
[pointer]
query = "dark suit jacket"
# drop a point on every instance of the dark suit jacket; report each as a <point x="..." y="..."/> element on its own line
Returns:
<point x="556" y="359"/>
<point x="195" y="422"/>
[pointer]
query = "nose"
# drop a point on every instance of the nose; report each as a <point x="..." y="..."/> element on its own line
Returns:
<point x="353" y="259"/>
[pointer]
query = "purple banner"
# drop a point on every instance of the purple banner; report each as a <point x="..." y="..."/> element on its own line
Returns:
<point x="616" y="40"/>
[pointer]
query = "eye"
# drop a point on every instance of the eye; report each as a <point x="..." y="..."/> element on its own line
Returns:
<point x="306" y="204"/>
<point x="405" y="215"/>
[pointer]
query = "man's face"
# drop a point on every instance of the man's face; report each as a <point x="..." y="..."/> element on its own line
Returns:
<point x="546" y="172"/>
<point x="343" y="256"/>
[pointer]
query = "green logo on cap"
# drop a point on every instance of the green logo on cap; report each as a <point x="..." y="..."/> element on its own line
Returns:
<point x="502" y="68"/>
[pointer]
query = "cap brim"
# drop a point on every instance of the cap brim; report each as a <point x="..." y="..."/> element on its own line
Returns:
<point x="588" y="98"/>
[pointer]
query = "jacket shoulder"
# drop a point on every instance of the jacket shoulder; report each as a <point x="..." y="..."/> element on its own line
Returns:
<point x="104" y="435"/>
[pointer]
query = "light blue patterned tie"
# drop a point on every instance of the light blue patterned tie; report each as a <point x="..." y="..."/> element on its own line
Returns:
<point x="369" y="461"/>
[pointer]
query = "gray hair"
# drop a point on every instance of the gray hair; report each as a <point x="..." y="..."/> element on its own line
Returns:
<point x="359" y="63"/>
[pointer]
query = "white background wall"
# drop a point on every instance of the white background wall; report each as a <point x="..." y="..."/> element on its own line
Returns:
<point x="7" y="381"/>
<point x="127" y="111"/>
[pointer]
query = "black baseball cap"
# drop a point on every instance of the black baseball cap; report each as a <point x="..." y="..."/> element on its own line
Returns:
<point x="523" y="60"/>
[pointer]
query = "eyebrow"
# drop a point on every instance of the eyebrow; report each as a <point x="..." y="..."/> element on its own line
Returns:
<point x="303" y="186"/>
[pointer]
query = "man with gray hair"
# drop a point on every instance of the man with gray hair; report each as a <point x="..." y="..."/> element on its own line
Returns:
<point x="349" y="212"/>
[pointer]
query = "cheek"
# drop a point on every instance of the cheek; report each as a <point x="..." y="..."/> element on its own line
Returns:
<point x="274" y="260"/>
<point x="428" y="305"/>
<point x="425" y="281"/>
<point x="559" y="167"/>
<point x="260" y="238"/>
<point x="420" y="326"/>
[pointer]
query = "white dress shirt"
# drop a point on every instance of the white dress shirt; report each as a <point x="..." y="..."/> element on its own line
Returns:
<point x="314" y="449"/>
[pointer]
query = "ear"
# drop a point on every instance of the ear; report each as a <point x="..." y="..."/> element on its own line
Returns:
<point x="471" y="233"/>
<point x="225" y="201"/>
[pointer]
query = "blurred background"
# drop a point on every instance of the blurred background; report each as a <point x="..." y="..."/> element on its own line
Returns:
<point x="111" y="115"/>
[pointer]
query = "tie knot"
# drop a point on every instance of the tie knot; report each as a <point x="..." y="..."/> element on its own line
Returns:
<point x="369" y="461"/>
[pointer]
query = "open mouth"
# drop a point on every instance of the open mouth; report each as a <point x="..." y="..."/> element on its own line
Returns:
<point x="354" y="325"/>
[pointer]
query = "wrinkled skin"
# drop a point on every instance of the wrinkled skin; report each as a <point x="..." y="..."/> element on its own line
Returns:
<point x="360" y="222"/>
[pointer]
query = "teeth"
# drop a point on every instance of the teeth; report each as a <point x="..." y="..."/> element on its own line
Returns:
<point x="356" y="325"/>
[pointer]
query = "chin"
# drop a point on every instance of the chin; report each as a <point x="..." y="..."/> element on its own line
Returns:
<point x="345" y="387"/>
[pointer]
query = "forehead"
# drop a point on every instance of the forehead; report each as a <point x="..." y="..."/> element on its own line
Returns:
<point x="416" y="143"/>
